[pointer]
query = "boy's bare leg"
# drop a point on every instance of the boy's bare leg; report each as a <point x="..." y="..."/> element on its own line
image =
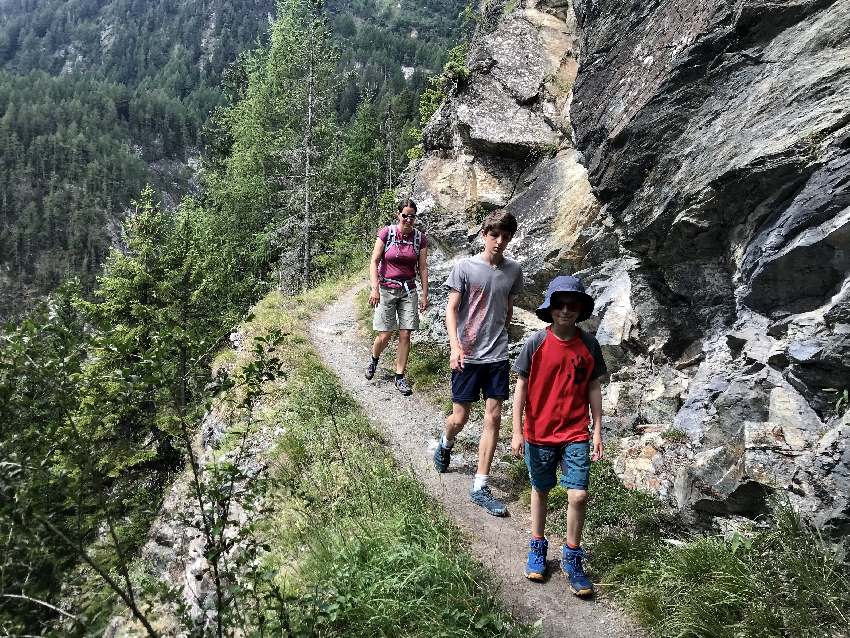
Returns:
<point x="489" y="435"/>
<point x="457" y="419"/>
<point x="403" y="351"/>
<point x="381" y="342"/>
<point x="575" y="516"/>
<point x="539" y="503"/>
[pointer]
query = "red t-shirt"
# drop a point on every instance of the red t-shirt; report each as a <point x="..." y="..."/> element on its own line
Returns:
<point x="559" y="373"/>
<point x="400" y="261"/>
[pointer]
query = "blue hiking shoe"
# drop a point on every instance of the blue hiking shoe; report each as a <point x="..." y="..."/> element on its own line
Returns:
<point x="571" y="564"/>
<point x="484" y="497"/>
<point x="442" y="456"/>
<point x="535" y="567"/>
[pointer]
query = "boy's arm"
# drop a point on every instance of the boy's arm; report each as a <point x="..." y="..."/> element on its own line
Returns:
<point x="594" y="392"/>
<point x="456" y="357"/>
<point x="520" y="394"/>
<point x="510" y="312"/>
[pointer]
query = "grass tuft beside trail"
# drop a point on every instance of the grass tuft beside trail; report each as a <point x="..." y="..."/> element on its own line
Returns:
<point x="768" y="583"/>
<point x="358" y="547"/>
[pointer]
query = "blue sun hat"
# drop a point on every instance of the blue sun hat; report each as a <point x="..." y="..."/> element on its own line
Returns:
<point x="566" y="283"/>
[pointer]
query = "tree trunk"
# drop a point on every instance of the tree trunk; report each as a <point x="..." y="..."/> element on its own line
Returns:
<point x="308" y="150"/>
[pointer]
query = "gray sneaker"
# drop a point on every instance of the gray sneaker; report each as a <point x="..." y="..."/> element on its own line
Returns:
<point x="403" y="386"/>
<point x="370" y="371"/>
<point x="485" y="499"/>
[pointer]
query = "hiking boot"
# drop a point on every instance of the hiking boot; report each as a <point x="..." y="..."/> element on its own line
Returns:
<point x="403" y="386"/>
<point x="484" y="497"/>
<point x="535" y="567"/>
<point x="571" y="564"/>
<point x="442" y="456"/>
<point x="370" y="370"/>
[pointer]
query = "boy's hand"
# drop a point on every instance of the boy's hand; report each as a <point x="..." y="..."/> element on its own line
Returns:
<point x="456" y="359"/>
<point x="517" y="445"/>
<point x="598" y="449"/>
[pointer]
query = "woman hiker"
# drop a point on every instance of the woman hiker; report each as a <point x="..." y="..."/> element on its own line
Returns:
<point x="399" y="251"/>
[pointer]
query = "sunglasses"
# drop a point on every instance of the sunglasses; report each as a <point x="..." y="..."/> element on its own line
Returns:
<point x="405" y="216"/>
<point x="570" y="305"/>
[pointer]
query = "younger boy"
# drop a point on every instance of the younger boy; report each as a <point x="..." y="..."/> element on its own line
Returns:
<point x="481" y="298"/>
<point x="558" y="378"/>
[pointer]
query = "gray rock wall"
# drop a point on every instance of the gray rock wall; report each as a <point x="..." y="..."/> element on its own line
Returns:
<point x="691" y="162"/>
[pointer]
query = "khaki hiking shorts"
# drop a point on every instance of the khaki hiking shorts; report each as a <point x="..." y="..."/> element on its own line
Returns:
<point x="397" y="310"/>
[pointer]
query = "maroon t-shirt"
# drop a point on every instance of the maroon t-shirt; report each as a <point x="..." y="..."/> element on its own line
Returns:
<point x="559" y="374"/>
<point x="399" y="262"/>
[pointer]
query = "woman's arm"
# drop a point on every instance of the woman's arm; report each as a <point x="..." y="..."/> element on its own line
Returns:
<point x="377" y="255"/>
<point x="423" y="277"/>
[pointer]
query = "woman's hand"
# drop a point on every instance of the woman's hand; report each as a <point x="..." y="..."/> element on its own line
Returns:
<point x="374" y="297"/>
<point x="423" y="302"/>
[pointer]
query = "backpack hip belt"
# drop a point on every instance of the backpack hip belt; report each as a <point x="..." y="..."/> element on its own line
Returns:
<point x="408" y="285"/>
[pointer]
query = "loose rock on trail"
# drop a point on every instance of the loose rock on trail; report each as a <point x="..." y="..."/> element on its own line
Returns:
<point x="411" y="426"/>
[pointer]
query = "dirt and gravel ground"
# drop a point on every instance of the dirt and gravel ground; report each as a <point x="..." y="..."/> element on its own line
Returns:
<point x="411" y="426"/>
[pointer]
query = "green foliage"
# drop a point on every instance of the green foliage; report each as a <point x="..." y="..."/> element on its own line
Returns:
<point x="782" y="581"/>
<point x="675" y="436"/>
<point x="123" y="370"/>
<point x="67" y="165"/>
<point x="115" y="375"/>
<point x="455" y="72"/>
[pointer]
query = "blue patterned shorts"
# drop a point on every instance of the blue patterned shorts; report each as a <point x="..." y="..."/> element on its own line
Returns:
<point x="543" y="461"/>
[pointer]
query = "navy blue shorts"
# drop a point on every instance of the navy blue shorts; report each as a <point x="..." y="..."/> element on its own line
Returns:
<point x="491" y="379"/>
<point x="543" y="461"/>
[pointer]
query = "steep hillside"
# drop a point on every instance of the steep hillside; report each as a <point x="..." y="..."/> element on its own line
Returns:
<point x="690" y="163"/>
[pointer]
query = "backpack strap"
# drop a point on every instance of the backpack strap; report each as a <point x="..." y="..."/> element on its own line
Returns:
<point x="417" y="241"/>
<point x="391" y="238"/>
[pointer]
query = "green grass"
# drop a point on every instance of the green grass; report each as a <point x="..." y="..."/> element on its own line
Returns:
<point x="784" y="581"/>
<point x="675" y="435"/>
<point x="780" y="582"/>
<point x="357" y="547"/>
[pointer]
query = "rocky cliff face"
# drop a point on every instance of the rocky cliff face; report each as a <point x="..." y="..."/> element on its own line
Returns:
<point x="691" y="162"/>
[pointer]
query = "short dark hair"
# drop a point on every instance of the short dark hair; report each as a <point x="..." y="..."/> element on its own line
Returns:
<point x="500" y="220"/>
<point x="407" y="203"/>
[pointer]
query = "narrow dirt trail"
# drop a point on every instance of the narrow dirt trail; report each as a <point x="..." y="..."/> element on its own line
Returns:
<point x="410" y="425"/>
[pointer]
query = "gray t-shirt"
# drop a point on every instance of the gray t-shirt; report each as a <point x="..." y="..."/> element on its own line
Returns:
<point x="483" y="310"/>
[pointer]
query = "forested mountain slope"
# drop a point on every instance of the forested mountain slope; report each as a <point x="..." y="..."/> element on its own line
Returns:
<point x="99" y="97"/>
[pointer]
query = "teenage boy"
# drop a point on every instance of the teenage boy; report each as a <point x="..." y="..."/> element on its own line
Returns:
<point x="481" y="297"/>
<point x="558" y="371"/>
